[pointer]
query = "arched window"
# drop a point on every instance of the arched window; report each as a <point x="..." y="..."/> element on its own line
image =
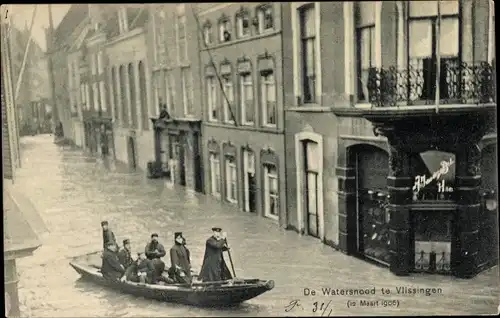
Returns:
<point x="123" y="94"/>
<point x="207" y="33"/>
<point x="243" y="23"/>
<point x="133" y="95"/>
<point x="143" y="96"/>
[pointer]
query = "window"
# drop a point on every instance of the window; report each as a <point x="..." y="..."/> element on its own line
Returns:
<point x="123" y="20"/>
<point x="187" y="90"/>
<point x="266" y="20"/>
<point x="93" y="64"/>
<point x="87" y="95"/>
<point x="247" y="103"/>
<point x="423" y="52"/>
<point x="249" y="180"/>
<point x="365" y="33"/>
<point x="212" y="98"/>
<point x="228" y="98"/>
<point x="308" y="49"/>
<point x="123" y="94"/>
<point x="116" y="92"/>
<point x="271" y="196"/>
<point x="95" y="94"/>
<point x="159" y="91"/>
<point x="103" y="96"/>
<point x="100" y="63"/>
<point x="83" y="96"/>
<point x="311" y="169"/>
<point x="181" y="39"/>
<point x="224" y="30"/>
<point x="207" y="33"/>
<point x="160" y="38"/>
<point x="169" y="91"/>
<point x="243" y="23"/>
<point x="133" y="96"/>
<point x="268" y="95"/>
<point x="142" y="96"/>
<point x="231" y="180"/>
<point x="215" y="173"/>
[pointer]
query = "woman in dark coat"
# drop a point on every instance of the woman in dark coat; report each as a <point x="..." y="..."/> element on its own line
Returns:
<point x="214" y="267"/>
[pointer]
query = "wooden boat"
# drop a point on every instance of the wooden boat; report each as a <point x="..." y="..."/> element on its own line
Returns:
<point x="209" y="294"/>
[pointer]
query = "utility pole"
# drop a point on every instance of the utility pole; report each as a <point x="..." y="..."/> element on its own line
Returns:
<point x="50" y="51"/>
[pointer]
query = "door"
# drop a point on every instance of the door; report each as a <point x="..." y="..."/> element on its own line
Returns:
<point x="131" y="147"/>
<point x="373" y="218"/>
<point x="312" y="203"/>
<point x="198" y="182"/>
<point x="249" y="181"/>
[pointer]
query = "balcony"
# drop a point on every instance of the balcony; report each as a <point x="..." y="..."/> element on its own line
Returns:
<point x="459" y="84"/>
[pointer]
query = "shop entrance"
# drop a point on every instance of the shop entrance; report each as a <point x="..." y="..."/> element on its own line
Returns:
<point x="371" y="190"/>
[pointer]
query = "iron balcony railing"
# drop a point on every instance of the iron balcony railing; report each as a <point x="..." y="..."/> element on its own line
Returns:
<point x="459" y="83"/>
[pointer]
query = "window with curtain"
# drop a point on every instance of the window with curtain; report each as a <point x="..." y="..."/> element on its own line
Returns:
<point x="365" y="36"/>
<point x="427" y="43"/>
<point x="271" y="197"/>
<point x="308" y="49"/>
<point x="243" y="23"/>
<point x="215" y="173"/>
<point x="265" y="17"/>
<point x="231" y="180"/>
<point x="228" y="98"/>
<point x="268" y="96"/>
<point x="212" y="98"/>
<point x="247" y="101"/>
<point x="224" y="30"/>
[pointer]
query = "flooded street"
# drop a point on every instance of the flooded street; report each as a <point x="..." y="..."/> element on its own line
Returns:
<point x="74" y="192"/>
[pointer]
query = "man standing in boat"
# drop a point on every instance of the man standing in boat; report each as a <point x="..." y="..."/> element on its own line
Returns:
<point x="180" y="263"/>
<point x="125" y="254"/>
<point x="214" y="267"/>
<point x="107" y="235"/>
<point x="154" y="251"/>
<point x="111" y="267"/>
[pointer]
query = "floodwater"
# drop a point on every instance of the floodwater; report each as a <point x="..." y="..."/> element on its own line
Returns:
<point x="74" y="192"/>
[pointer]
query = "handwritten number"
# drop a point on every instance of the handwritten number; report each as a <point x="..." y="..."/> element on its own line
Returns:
<point x="315" y="306"/>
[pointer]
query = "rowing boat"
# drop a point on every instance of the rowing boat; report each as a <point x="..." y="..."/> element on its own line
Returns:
<point x="205" y="294"/>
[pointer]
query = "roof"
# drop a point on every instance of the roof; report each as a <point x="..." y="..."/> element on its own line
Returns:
<point x="75" y="15"/>
<point x="22" y="223"/>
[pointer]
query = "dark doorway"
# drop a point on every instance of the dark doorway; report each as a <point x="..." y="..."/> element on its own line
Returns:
<point x="182" y="160"/>
<point x="198" y="183"/>
<point x="373" y="218"/>
<point x="131" y="147"/>
<point x="249" y="181"/>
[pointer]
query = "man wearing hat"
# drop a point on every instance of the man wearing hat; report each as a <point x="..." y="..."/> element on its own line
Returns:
<point x="180" y="263"/>
<point x="125" y="254"/>
<point x="214" y="267"/>
<point x="107" y="235"/>
<point x="154" y="251"/>
<point x="111" y="267"/>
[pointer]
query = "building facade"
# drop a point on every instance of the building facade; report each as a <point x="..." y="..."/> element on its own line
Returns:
<point x="243" y="121"/>
<point x="401" y="185"/>
<point x="64" y="52"/>
<point x="129" y="84"/>
<point x="177" y="108"/>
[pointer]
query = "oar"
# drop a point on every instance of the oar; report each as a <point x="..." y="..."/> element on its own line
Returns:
<point x="230" y="259"/>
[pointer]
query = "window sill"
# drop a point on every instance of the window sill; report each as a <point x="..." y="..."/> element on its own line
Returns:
<point x="270" y="130"/>
<point x="245" y="39"/>
<point x="310" y="108"/>
<point x="272" y="217"/>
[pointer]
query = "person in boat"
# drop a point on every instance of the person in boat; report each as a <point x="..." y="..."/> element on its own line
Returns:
<point x="214" y="267"/>
<point x="107" y="234"/>
<point x="111" y="267"/>
<point x="180" y="263"/>
<point x="140" y="271"/>
<point x="155" y="251"/>
<point x="125" y="254"/>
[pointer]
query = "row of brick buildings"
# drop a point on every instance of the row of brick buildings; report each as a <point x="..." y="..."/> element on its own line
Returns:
<point x="320" y="116"/>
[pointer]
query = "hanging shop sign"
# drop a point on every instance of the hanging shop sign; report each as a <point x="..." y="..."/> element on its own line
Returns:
<point x="422" y="181"/>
